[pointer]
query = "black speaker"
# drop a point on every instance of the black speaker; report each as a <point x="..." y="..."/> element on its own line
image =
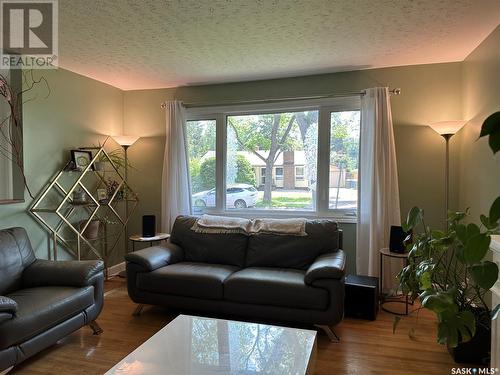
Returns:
<point x="397" y="239"/>
<point x="361" y="297"/>
<point x="148" y="226"/>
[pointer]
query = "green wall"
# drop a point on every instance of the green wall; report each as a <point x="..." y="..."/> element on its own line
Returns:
<point x="478" y="172"/>
<point x="78" y="112"/>
<point x="429" y="93"/>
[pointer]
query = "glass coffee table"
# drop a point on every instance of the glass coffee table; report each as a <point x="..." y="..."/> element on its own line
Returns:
<point x="198" y="345"/>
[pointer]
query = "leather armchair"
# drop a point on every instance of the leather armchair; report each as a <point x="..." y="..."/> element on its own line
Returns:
<point x="8" y="308"/>
<point x="70" y="273"/>
<point x="42" y="301"/>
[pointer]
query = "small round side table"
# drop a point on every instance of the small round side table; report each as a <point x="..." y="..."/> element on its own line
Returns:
<point x="138" y="238"/>
<point x="385" y="252"/>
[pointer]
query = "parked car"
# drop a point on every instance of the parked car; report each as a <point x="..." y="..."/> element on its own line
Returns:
<point x="237" y="196"/>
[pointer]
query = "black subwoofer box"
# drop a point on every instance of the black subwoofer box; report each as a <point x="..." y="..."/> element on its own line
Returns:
<point x="361" y="297"/>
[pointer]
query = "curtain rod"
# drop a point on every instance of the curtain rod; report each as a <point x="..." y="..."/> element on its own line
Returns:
<point x="396" y="91"/>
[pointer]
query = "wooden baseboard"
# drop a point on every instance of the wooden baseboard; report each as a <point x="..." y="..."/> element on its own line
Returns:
<point x="116" y="269"/>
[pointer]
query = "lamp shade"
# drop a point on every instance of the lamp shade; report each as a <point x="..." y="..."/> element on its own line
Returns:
<point x="447" y="127"/>
<point x="125" y="140"/>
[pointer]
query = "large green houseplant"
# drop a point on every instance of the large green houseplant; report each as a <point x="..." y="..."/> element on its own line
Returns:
<point x="447" y="270"/>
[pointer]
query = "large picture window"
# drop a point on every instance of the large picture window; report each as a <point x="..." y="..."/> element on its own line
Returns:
<point x="275" y="160"/>
<point x="269" y="144"/>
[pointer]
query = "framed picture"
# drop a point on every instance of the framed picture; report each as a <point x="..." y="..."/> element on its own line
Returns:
<point x="102" y="195"/>
<point x="81" y="159"/>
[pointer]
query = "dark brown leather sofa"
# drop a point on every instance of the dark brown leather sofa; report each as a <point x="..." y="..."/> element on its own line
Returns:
<point x="263" y="276"/>
<point x="42" y="301"/>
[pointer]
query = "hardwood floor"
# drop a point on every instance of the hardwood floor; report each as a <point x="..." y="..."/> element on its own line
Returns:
<point x="366" y="347"/>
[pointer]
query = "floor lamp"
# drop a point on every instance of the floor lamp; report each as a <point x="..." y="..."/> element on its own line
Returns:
<point x="447" y="129"/>
<point x="125" y="141"/>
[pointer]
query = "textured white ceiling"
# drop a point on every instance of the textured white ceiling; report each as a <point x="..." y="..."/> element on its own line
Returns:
<point x="139" y="44"/>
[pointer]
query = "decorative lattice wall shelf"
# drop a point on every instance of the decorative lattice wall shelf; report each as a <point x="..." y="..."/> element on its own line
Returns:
<point x="93" y="225"/>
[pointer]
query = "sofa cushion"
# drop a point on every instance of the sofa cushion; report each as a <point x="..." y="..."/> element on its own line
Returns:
<point x="276" y="287"/>
<point x="189" y="279"/>
<point x="208" y="248"/>
<point x="39" y="309"/>
<point x="268" y="250"/>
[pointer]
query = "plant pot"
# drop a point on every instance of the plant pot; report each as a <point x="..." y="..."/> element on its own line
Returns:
<point x="476" y="351"/>
<point x="92" y="230"/>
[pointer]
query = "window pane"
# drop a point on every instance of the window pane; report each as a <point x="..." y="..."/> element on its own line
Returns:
<point x="201" y="152"/>
<point x="344" y="156"/>
<point x="279" y="173"/>
<point x="273" y="157"/>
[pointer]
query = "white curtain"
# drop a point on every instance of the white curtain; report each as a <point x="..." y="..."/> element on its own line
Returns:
<point x="175" y="189"/>
<point x="379" y="190"/>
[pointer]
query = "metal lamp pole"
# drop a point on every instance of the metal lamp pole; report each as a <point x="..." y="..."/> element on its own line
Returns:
<point x="126" y="142"/>
<point x="125" y="149"/>
<point x="447" y="174"/>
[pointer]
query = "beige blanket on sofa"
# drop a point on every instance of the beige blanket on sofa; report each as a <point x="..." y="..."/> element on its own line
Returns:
<point x="225" y="224"/>
<point x="221" y="224"/>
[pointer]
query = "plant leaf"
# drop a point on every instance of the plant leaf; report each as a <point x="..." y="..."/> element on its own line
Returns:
<point x="425" y="280"/>
<point x="476" y="248"/>
<point x="408" y="241"/>
<point x="469" y="320"/>
<point x="495" y="312"/>
<point x="442" y="333"/>
<point x="414" y="218"/>
<point x="460" y="253"/>
<point x="439" y="303"/>
<point x="454" y="328"/>
<point x="484" y="274"/>
<point x="461" y="231"/>
<point x="472" y="230"/>
<point x="486" y="222"/>
<point x="456" y="216"/>
<point x="464" y="333"/>
<point x="395" y="323"/>
<point x="494" y="142"/>
<point x="412" y="334"/>
<point x="425" y="294"/>
<point x="438" y="234"/>
<point x="491" y="128"/>
<point x="491" y="125"/>
<point x="495" y="211"/>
